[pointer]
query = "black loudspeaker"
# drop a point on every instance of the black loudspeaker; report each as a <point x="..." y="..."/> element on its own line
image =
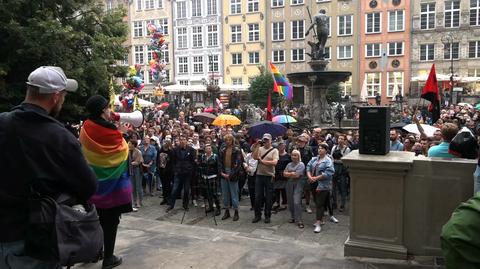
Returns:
<point x="374" y="127"/>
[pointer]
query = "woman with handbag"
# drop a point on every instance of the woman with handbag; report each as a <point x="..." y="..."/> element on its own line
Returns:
<point x="230" y="163"/>
<point x="320" y="171"/>
<point x="107" y="153"/>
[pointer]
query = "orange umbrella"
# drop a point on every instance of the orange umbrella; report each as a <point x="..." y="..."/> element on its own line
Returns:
<point x="225" y="119"/>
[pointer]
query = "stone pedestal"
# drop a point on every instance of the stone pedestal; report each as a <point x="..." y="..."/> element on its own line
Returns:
<point x="377" y="210"/>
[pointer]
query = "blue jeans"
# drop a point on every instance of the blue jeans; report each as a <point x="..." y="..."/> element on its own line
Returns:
<point x="12" y="256"/>
<point x="179" y="182"/>
<point x="476" y="180"/>
<point x="230" y="193"/>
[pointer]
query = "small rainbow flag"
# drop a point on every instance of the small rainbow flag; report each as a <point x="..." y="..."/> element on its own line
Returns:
<point x="107" y="154"/>
<point x="281" y="84"/>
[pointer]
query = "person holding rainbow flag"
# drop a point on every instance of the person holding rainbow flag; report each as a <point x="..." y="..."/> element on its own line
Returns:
<point x="106" y="151"/>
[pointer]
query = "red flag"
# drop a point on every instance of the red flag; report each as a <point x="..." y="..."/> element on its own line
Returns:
<point x="430" y="93"/>
<point x="269" y="107"/>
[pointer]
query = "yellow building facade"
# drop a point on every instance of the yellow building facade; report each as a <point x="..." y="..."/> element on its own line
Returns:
<point x="245" y="42"/>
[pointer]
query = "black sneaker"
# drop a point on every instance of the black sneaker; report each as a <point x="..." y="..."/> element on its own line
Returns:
<point x="267" y="220"/>
<point x="112" y="262"/>
<point x="256" y="219"/>
<point x="169" y="208"/>
<point x="164" y="202"/>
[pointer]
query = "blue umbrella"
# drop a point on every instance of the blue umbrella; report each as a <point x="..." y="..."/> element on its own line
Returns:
<point x="258" y="129"/>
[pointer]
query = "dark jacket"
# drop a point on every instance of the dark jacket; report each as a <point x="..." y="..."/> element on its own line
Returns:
<point x="236" y="164"/>
<point x="43" y="152"/>
<point x="184" y="160"/>
<point x="209" y="166"/>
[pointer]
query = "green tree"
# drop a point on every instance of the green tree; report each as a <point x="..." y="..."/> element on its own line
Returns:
<point x="259" y="88"/>
<point x="334" y="93"/>
<point x="79" y="36"/>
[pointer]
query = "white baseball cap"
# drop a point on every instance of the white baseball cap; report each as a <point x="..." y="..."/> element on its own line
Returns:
<point x="51" y="79"/>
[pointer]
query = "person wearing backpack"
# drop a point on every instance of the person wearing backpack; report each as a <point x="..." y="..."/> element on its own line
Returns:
<point x="37" y="151"/>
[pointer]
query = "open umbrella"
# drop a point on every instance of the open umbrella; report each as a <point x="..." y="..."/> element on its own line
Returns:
<point x="204" y="117"/>
<point x="164" y="105"/>
<point x="465" y="104"/>
<point x="258" y="129"/>
<point x="428" y="129"/>
<point x="225" y="119"/>
<point x="477" y="107"/>
<point x="284" y="119"/>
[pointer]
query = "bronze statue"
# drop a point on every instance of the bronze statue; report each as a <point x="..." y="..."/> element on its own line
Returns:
<point x="320" y="29"/>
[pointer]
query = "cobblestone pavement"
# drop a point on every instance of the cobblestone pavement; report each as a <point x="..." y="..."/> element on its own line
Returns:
<point x="152" y="238"/>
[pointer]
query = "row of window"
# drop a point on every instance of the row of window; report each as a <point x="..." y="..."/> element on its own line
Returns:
<point x="197" y="36"/>
<point x="195" y="7"/>
<point x="427" y="51"/>
<point x="148" y="4"/>
<point x="394" y="83"/>
<point x="451" y="14"/>
<point x="140" y="27"/>
<point x="143" y="54"/>
<point x="198" y="64"/>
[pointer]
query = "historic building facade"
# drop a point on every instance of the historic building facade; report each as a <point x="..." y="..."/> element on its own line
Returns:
<point x="384" y="49"/>
<point x="245" y="42"/>
<point x="446" y="32"/>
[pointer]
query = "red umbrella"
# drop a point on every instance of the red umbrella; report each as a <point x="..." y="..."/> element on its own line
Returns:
<point x="164" y="105"/>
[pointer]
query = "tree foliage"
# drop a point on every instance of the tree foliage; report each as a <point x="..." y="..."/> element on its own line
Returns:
<point x="334" y="93"/>
<point x="259" y="88"/>
<point x="77" y="35"/>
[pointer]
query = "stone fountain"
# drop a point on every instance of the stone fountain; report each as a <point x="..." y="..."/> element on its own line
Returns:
<point x="319" y="79"/>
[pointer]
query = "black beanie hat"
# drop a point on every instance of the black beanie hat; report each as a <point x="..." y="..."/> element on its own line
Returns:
<point x="95" y="105"/>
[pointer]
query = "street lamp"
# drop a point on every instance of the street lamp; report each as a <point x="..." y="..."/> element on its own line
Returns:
<point x="212" y="89"/>
<point x="448" y="39"/>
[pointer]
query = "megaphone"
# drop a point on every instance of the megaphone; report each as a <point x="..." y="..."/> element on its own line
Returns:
<point x="135" y="118"/>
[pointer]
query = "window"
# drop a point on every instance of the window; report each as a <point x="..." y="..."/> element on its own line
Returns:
<point x="236" y="33"/>
<point x="396" y="20"/>
<point x="395" y="48"/>
<point x="327" y="53"/>
<point x="427" y="52"/>
<point x="254" y="57"/>
<point x="474" y="72"/>
<point x="298" y="55"/>
<point x="197" y="36"/>
<point x="394" y="83"/>
<point x="164" y="24"/>
<point x="298" y="29"/>
<point x="252" y="6"/>
<point x="253" y="32"/>
<point x="149" y="54"/>
<point x="427" y="16"/>
<point x="183" y="65"/>
<point x="475" y="12"/>
<point x="211" y="7"/>
<point x="346" y="87"/>
<point x="166" y="55"/>
<point x="373" y="83"/>
<point x="345" y="25"/>
<point x="278" y="3"/>
<point x="149" y="4"/>
<point x="344" y="52"/>
<point x="235" y="6"/>
<point x="237" y="81"/>
<point x="137" y="29"/>
<point x="213" y="63"/>
<point x="160" y="4"/>
<point x="236" y="58"/>
<point x="197" y="64"/>
<point x="296" y="2"/>
<point x="373" y="50"/>
<point x="278" y="56"/>
<point x="329" y="26"/>
<point x="183" y="82"/>
<point x="452" y="14"/>
<point x="181" y="10"/>
<point x="212" y="35"/>
<point x="139" y="5"/>
<point x="196" y="8"/>
<point x="474" y="49"/>
<point x="182" y="37"/>
<point x="139" y="55"/>
<point x="450" y="52"/>
<point x="109" y="5"/>
<point x="374" y="23"/>
<point x="278" y="29"/>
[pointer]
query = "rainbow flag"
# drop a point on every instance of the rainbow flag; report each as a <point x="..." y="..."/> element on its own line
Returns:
<point x="107" y="153"/>
<point x="281" y="84"/>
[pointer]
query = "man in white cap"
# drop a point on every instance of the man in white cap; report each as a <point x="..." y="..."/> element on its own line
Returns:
<point x="267" y="157"/>
<point x="37" y="152"/>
